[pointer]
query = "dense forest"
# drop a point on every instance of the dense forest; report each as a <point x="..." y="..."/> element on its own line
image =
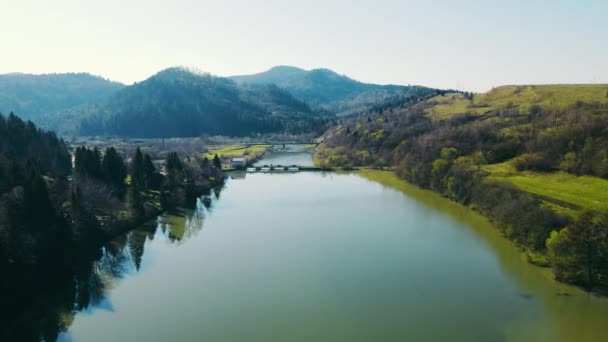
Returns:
<point x="180" y="103"/>
<point x="54" y="217"/>
<point x="326" y="90"/>
<point x="500" y="153"/>
<point x="41" y="97"/>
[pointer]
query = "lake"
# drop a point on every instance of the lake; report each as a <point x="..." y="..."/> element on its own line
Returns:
<point x="317" y="256"/>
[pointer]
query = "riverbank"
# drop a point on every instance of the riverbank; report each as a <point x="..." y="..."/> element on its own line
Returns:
<point x="152" y="209"/>
<point x="469" y="214"/>
<point x="352" y="248"/>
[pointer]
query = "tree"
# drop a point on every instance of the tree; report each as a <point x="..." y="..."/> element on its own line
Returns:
<point x="149" y="170"/>
<point x="36" y="199"/>
<point x="114" y="170"/>
<point x="173" y="164"/>
<point x="579" y="251"/>
<point x="86" y="226"/>
<point x="138" y="180"/>
<point x="217" y="163"/>
<point x="87" y="163"/>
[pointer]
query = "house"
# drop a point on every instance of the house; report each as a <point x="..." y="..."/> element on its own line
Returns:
<point x="238" y="163"/>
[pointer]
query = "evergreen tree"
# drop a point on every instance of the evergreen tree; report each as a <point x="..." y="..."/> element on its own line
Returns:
<point x="138" y="180"/>
<point x="36" y="199"/>
<point x="173" y="164"/>
<point x="149" y="170"/>
<point x="217" y="163"/>
<point x="114" y="170"/>
<point x="87" y="163"/>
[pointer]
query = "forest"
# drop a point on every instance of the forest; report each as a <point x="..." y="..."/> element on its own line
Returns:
<point x="179" y="103"/>
<point x="54" y="218"/>
<point x="327" y="91"/>
<point x="468" y="147"/>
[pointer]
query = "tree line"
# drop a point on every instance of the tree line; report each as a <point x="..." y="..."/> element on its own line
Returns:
<point x="54" y="217"/>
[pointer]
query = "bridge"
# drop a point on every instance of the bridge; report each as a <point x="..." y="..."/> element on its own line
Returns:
<point x="283" y="168"/>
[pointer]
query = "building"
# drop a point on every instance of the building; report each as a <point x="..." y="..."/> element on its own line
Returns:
<point x="238" y="163"/>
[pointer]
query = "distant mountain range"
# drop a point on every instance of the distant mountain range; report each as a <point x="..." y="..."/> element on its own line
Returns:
<point x="32" y="96"/>
<point x="326" y="90"/>
<point x="178" y="102"/>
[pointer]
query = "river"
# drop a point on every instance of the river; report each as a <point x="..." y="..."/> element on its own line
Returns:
<point x="317" y="256"/>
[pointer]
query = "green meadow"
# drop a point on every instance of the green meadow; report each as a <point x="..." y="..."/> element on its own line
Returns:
<point x="564" y="192"/>
<point x="237" y="150"/>
<point x="559" y="96"/>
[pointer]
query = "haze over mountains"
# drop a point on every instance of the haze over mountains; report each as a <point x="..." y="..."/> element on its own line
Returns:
<point x="326" y="90"/>
<point x="34" y="96"/>
<point x="177" y="102"/>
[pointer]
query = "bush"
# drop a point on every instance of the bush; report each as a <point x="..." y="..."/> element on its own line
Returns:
<point x="533" y="161"/>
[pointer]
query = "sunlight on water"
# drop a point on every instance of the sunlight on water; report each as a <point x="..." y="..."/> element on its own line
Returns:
<point x="325" y="257"/>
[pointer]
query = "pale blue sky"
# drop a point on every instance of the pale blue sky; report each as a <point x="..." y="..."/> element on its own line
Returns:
<point x="472" y="45"/>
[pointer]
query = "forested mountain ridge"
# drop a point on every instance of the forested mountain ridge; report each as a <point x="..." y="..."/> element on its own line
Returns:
<point x="33" y="96"/>
<point x="326" y="90"/>
<point x="179" y="103"/>
<point x="534" y="159"/>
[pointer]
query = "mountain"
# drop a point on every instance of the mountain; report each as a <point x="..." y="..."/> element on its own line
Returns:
<point x="326" y="90"/>
<point x="36" y="96"/>
<point x="179" y="103"/>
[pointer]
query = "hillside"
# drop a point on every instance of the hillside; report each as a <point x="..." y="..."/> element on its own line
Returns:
<point x="34" y="96"/>
<point x="179" y="103"/>
<point x="326" y="90"/>
<point x="534" y="159"/>
<point x="523" y="98"/>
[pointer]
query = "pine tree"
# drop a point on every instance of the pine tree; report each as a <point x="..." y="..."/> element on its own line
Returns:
<point x="149" y="170"/>
<point x="137" y="171"/>
<point x="36" y="198"/>
<point x="217" y="163"/>
<point x="114" y="170"/>
<point x="173" y="164"/>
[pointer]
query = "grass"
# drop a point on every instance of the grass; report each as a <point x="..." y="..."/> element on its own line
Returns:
<point x="558" y="96"/>
<point x="237" y="150"/>
<point x="564" y="192"/>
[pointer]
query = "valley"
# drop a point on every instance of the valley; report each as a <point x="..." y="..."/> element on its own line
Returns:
<point x="405" y="177"/>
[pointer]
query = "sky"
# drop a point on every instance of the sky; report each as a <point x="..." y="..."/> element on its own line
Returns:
<point x="463" y="44"/>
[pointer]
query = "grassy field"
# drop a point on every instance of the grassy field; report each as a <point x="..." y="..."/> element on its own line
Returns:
<point x="564" y="192"/>
<point x="557" y="96"/>
<point x="237" y="150"/>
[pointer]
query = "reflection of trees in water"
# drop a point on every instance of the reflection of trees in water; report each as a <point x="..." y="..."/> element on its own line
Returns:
<point x="39" y="303"/>
<point x="181" y="225"/>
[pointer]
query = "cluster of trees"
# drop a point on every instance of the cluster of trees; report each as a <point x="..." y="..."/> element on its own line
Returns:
<point x="447" y="156"/>
<point x="29" y="221"/>
<point x="580" y="251"/>
<point x="50" y="223"/>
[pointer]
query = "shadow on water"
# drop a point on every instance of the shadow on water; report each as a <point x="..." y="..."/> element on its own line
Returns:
<point x="41" y="303"/>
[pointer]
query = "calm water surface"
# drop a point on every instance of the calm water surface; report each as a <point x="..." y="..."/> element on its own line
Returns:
<point x="290" y="155"/>
<point x="327" y="257"/>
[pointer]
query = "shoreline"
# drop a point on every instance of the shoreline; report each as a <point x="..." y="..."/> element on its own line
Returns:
<point x="467" y="215"/>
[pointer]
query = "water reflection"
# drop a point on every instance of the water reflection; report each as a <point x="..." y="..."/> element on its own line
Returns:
<point x="41" y="304"/>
